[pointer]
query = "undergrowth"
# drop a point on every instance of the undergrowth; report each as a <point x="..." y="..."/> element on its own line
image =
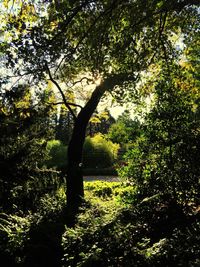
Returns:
<point x="113" y="228"/>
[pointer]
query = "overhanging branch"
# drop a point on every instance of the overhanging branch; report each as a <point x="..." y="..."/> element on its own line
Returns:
<point x="69" y="103"/>
<point x="102" y="14"/>
<point x="61" y="92"/>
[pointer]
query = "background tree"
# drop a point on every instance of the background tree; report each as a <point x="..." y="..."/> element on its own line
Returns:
<point x="125" y="130"/>
<point x="64" y="125"/>
<point x="24" y="130"/>
<point x="100" y="122"/>
<point x="165" y="158"/>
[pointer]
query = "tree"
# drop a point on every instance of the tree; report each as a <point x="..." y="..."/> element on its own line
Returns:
<point x="24" y="128"/>
<point x="64" y="125"/>
<point x="125" y="130"/>
<point x="100" y="42"/>
<point x="166" y="159"/>
<point x="100" y="122"/>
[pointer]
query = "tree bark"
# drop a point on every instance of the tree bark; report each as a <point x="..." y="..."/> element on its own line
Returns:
<point x="75" y="191"/>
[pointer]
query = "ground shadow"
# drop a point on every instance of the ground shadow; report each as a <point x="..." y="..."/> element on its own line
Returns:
<point x="44" y="245"/>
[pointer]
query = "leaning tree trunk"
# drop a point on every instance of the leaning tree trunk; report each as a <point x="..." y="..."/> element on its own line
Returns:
<point x="75" y="191"/>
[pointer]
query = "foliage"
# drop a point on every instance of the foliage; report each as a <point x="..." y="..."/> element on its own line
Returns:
<point x="26" y="197"/>
<point x="16" y="229"/>
<point x="165" y="158"/>
<point x="125" y="130"/>
<point x="50" y="33"/>
<point x="13" y="231"/>
<point x="96" y="44"/>
<point x="100" y="44"/>
<point x="57" y="152"/>
<point x="118" y="133"/>
<point x="108" y="232"/>
<point x="82" y="244"/>
<point x="64" y="126"/>
<point x="181" y="247"/>
<point x="99" y="152"/>
<point x="24" y="125"/>
<point x="150" y="233"/>
<point x="50" y="205"/>
<point x="100" y="122"/>
<point x="122" y="192"/>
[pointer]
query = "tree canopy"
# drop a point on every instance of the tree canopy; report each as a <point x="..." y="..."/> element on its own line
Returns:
<point x="101" y="38"/>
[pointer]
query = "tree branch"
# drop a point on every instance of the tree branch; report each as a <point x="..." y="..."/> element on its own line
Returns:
<point x="109" y="9"/>
<point x="70" y="18"/>
<point x="61" y="92"/>
<point x="69" y="103"/>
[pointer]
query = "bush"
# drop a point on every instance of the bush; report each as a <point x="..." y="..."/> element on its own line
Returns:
<point x="123" y="193"/>
<point x="154" y="232"/>
<point x="57" y="155"/>
<point x="14" y="232"/>
<point x="26" y="196"/>
<point x="25" y="237"/>
<point x="99" y="152"/>
<point x="166" y="157"/>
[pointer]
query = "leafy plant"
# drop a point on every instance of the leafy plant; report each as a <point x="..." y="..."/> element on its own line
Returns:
<point x="14" y="232"/>
<point x="57" y="152"/>
<point x="99" y="152"/>
<point x="165" y="158"/>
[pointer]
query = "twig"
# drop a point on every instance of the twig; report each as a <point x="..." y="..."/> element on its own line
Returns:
<point x="61" y="92"/>
<point x="69" y="103"/>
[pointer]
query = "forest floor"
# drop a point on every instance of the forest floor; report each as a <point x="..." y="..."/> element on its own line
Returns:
<point x="114" y="227"/>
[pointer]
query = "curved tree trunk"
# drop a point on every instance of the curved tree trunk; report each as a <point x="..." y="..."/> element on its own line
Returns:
<point x="75" y="191"/>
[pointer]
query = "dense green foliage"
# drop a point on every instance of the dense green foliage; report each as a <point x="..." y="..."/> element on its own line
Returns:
<point x="64" y="127"/>
<point x="125" y="130"/>
<point x="99" y="152"/>
<point x="165" y="158"/>
<point x="57" y="153"/>
<point x="25" y="128"/>
<point x="109" y="231"/>
<point x="149" y="234"/>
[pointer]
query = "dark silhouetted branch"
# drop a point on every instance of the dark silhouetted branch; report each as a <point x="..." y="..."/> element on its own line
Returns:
<point x="61" y="92"/>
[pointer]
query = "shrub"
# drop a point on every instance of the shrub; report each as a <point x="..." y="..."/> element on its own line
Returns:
<point x="104" y="234"/>
<point x="99" y="152"/>
<point x="57" y="155"/>
<point x="14" y="232"/>
<point x="154" y="232"/>
<point x="51" y="205"/>
<point x="26" y="196"/>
